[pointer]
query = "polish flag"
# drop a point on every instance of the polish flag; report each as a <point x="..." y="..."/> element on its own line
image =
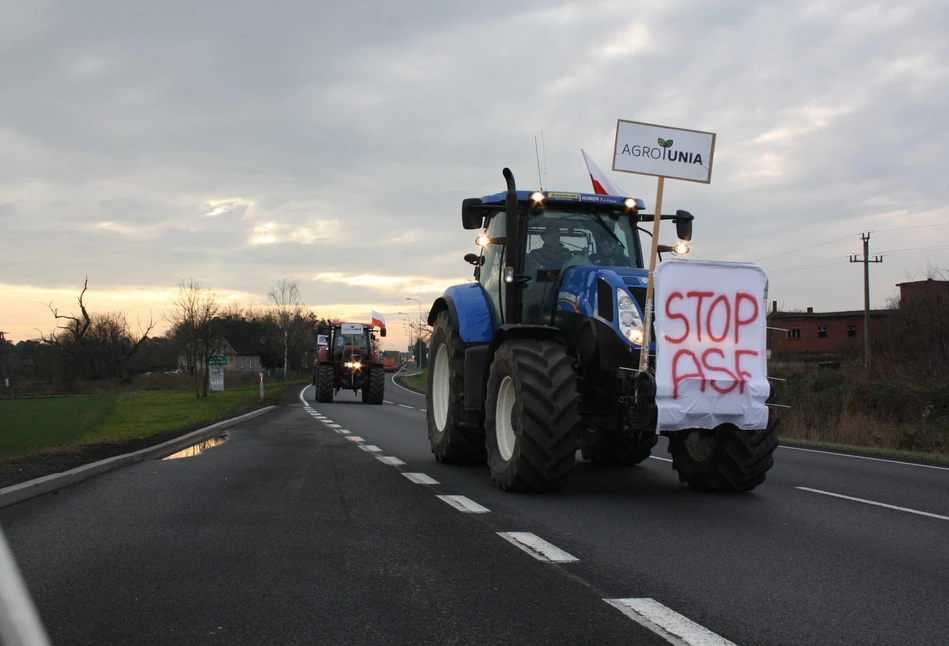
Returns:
<point x="378" y="319"/>
<point x="601" y="183"/>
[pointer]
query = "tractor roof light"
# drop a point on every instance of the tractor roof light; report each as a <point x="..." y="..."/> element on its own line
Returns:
<point x="630" y="203"/>
<point x="537" y="197"/>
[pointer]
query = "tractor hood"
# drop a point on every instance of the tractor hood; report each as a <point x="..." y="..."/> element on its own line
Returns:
<point x="584" y="290"/>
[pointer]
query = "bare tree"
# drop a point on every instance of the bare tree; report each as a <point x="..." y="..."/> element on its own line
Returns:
<point x="70" y="336"/>
<point x="113" y="342"/>
<point x="289" y="310"/>
<point x="194" y="307"/>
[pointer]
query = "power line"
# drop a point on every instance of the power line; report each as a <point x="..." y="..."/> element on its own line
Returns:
<point x="836" y="259"/>
<point x="821" y="244"/>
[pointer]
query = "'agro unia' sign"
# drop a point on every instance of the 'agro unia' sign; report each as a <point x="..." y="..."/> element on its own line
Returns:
<point x="648" y="149"/>
<point x="711" y="345"/>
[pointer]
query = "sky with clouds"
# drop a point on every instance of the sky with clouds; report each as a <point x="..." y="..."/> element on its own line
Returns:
<point x="332" y="143"/>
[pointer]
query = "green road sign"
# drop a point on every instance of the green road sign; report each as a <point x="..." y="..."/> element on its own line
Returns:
<point x="217" y="360"/>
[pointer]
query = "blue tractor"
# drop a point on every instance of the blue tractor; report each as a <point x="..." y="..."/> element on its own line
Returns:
<point x="540" y="356"/>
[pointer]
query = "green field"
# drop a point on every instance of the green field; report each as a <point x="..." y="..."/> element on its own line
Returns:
<point x="58" y="423"/>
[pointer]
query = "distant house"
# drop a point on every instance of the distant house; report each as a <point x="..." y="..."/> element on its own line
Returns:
<point x="820" y="335"/>
<point x="243" y="344"/>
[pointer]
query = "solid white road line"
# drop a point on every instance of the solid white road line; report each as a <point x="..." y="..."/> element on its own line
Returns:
<point x="864" y="457"/>
<point x="305" y="388"/>
<point x="538" y="547"/>
<point x="398" y="385"/>
<point x="467" y="505"/>
<point x="355" y="438"/>
<point x="420" y="478"/>
<point x="388" y="459"/>
<point x="656" y="457"/>
<point x="871" y="502"/>
<point x="667" y="623"/>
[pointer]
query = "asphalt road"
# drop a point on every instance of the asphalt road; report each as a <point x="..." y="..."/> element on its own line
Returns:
<point x="292" y="532"/>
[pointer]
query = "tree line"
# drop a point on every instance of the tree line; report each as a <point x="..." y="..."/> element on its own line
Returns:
<point x="89" y="346"/>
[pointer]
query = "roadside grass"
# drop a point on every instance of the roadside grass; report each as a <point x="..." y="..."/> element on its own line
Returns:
<point x="55" y="425"/>
<point x="32" y="425"/>
<point x="415" y="382"/>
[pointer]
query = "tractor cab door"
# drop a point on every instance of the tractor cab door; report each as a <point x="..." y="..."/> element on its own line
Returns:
<point x="492" y="268"/>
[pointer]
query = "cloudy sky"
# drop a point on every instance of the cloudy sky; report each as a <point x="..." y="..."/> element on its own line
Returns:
<point x="243" y="142"/>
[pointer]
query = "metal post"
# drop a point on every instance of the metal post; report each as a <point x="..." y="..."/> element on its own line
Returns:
<point x="866" y="260"/>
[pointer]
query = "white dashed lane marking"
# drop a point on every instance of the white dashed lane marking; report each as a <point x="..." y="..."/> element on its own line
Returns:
<point x="538" y="547"/>
<point x="341" y="431"/>
<point x="656" y="457"/>
<point x="355" y="438"/>
<point x="421" y="478"/>
<point x="371" y="447"/>
<point x="334" y="425"/>
<point x="404" y="406"/>
<point x="667" y="623"/>
<point x="467" y="505"/>
<point x="388" y="459"/>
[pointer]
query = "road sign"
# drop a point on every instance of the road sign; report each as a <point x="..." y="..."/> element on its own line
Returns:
<point x="217" y="360"/>
<point x="216" y="373"/>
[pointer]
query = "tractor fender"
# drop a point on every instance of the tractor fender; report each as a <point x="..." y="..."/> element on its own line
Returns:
<point x="468" y="311"/>
<point x="323" y="356"/>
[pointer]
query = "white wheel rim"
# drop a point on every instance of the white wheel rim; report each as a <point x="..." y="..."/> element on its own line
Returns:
<point x="440" y="388"/>
<point x="503" y="419"/>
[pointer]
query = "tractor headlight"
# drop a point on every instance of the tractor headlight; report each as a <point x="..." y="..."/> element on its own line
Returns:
<point x="630" y="322"/>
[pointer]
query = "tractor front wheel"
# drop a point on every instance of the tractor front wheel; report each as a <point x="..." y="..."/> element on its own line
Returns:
<point x="532" y="418"/>
<point x="451" y="440"/>
<point x="324" y="383"/>
<point x="727" y="459"/>
<point x="376" y="386"/>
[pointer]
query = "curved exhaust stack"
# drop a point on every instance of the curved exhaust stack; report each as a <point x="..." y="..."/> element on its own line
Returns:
<point x="512" y="249"/>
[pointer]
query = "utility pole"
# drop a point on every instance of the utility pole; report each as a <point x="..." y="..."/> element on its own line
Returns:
<point x="866" y="260"/>
<point x="5" y="365"/>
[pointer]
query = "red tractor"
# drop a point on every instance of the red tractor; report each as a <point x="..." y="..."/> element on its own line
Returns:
<point x="348" y="361"/>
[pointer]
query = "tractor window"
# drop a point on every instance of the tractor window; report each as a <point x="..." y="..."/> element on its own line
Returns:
<point x="492" y="268"/>
<point x="558" y="240"/>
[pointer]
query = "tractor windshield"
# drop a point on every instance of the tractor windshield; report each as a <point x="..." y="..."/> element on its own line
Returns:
<point x="555" y="238"/>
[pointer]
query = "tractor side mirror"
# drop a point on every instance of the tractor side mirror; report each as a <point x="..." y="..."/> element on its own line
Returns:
<point x="683" y="222"/>
<point x="472" y="217"/>
<point x="382" y="332"/>
<point x="473" y="259"/>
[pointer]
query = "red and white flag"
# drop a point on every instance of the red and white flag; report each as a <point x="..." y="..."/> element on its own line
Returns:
<point x="378" y="319"/>
<point x="601" y="183"/>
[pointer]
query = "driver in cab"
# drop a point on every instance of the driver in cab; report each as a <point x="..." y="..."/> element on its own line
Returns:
<point x="610" y="254"/>
<point x="552" y="254"/>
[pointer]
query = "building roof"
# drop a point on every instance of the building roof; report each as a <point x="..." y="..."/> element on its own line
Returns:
<point x="825" y="315"/>
<point x="245" y="337"/>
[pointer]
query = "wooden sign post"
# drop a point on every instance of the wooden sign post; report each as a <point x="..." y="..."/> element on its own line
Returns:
<point x="660" y="151"/>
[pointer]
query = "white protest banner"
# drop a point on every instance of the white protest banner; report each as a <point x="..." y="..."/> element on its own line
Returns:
<point x="351" y="328"/>
<point x="711" y="345"/>
<point x="662" y="151"/>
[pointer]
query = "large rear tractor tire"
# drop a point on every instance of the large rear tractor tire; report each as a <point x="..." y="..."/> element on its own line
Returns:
<point x="601" y="446"/>
<point x="727" y="459"/>
<point x="324" y="384"/>
<point x="376" y="387"/>
<point x="451" y="440"/>
<point x="532" y="418"/>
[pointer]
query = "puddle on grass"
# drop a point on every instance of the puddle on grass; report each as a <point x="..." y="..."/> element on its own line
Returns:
<point x="197" y="449"/>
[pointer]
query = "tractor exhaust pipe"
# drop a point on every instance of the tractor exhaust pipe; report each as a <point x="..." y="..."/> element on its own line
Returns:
<point x="512" y="291"/>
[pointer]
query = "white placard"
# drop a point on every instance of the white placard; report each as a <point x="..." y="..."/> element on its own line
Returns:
<point x="216" y="374"/>
<point x="351" y="328"/>
<point x="711" y="345"/>
<point x="321" y="340"/>
<point x="662" y="151"/>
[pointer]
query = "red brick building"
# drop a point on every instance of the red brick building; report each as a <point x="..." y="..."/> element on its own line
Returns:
<point x="819" y="335"/>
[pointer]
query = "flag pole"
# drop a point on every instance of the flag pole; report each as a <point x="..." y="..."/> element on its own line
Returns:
<point x="650" y="286"/>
